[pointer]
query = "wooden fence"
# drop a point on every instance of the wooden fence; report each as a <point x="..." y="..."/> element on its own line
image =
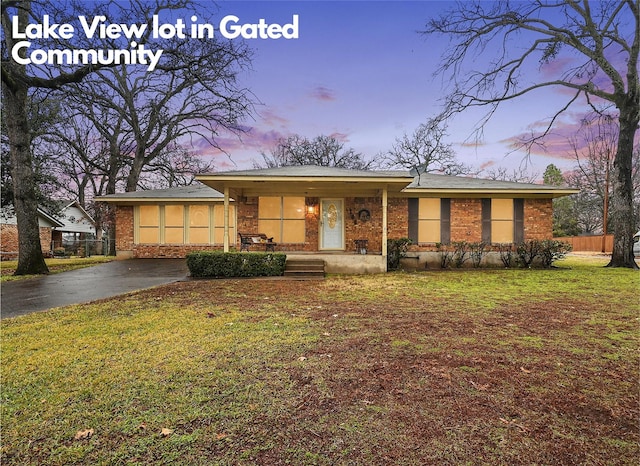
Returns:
<point x="588" y="243"/>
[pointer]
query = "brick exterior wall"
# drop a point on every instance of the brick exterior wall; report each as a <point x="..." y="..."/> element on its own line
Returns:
<point x="466" y="220"/>
<point x="466" y="225"/>
<point x="397" y="218"/>
<point x="124" y="229"/>
<point x="354" y="228"/>
<point x="9" y="241"/>
<point x="247" y="216"/>
<point x="538" y="219"/>
<point x="168" y="251"/>
<point x="45" y="239"/>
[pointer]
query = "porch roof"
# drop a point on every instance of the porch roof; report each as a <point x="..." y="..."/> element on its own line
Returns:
<point x="317" y="181"/>
<point x="312" y="181"/>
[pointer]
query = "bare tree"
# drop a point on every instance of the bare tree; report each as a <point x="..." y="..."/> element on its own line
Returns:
<point x="87" y="161"/>
<point x="193" y="95"/>
<point x="85" y="168"/>
<point x="518" y="175"/>
<point x="43" y="115"/>
<point x="81" y="156"/>
<point x="95" y="154"/>
<point x="425" y="151"/>
<point x="603" y="37"/>
<point x="19" y="79"/>
<point x="593" y="148"/>
<point x="175" y="166"/>
<point x="192" y="69"/>
<point x="324" y="151"/>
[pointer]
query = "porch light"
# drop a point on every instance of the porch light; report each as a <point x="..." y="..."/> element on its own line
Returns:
<point x="312" y="209"/>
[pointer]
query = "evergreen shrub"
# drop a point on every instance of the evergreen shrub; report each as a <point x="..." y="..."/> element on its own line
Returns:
<point x="208" y="264"/>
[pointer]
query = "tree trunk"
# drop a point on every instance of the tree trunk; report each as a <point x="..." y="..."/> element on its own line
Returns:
<point x="134" y="174"/>
<point x="622" y="214"/>
<point x="109" y="216"/>
<point x="99" y="249"/>
<point x="30" y="258"/>
<point x="111" y="242"/>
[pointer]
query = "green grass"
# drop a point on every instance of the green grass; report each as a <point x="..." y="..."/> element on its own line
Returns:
<point x="7" y="268"/>
<point x="455" y="367"/>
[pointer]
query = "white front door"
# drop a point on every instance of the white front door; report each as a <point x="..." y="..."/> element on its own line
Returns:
<point x="332" y="224"/>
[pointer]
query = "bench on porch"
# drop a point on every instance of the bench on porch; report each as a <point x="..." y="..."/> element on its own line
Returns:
<point x="249" y="239"/>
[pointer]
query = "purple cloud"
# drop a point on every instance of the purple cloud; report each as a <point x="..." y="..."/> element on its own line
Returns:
<point x="555" y="68"/>
<point x="564" y="139"/>
<point x="487" y="164"/>
<point x="254" y="140"/>
<point x="342" y="137"/>
<point x="472" y="144"/>
<point x="323" y="94"/>
<point x="270" y="118"/>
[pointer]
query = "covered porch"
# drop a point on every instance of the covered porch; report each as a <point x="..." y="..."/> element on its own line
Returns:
<point x="338" y="215"/>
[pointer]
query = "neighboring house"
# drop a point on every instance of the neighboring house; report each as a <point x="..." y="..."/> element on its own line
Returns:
<point x="331" y="213"/>
<point x="76" y="224"/>
<point x="9" y="232"/>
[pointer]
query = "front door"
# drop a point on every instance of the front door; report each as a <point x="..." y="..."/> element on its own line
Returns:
<point x="332" y="224"/>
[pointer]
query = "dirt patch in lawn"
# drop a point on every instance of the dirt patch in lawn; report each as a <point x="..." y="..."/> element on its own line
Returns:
<point x="413" y="381"/>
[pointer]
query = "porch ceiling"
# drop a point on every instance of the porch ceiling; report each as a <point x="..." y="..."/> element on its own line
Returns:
<point x="309" y="187"/>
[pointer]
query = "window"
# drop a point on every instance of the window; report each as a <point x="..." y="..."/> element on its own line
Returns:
<point x="282" y="218"/>
<point x="183" y="224"/>
<point x="149" y="231"/>
<point x="503" y="220"/>
<point x="174" y="224"/>
<point x="199" y="224"/>
<point x="429" y="220"/>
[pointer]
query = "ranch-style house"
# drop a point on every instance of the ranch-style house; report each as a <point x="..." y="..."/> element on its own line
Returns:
<point x="341" y="216"/>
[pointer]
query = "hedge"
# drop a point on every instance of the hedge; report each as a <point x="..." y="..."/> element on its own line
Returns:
<point x="235" y="264"/>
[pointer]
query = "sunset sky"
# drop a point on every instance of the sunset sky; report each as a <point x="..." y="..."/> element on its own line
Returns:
<point x="360" y="71"/>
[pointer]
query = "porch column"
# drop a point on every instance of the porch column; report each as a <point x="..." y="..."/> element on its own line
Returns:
<point x="384" y="223"/>
<point x="226" y="220"/>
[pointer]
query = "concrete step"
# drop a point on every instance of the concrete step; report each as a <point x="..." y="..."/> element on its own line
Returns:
<point x="304" y="266"/>
<point x="308" y="268"/>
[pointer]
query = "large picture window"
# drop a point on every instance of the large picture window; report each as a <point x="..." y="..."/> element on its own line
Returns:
<point x="282" y="218"/>
<point x="183" y="224"/>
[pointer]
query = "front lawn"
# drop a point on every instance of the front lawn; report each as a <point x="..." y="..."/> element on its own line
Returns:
<point x="496" y="367"/>
<point x="7" y="268"/>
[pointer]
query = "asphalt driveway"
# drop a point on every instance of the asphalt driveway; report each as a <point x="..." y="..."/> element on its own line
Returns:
<point x="89" y="284"/>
